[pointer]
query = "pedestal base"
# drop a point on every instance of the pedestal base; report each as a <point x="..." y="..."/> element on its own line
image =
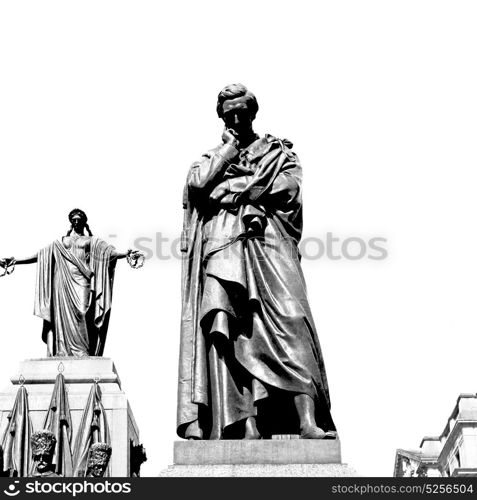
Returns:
<point x="38" y="376"/>
<point x="258" y="458"/>
<point x="263" y="470"/>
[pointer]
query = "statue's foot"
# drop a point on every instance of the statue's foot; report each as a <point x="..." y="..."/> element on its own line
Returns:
<point x="251" y="431"/>
<point x="253" y="436"/>
<point x="312" y="432"/>
<point x="331" y="435"/>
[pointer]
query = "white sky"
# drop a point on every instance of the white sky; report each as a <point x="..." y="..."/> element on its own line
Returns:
<point x="104" y="105"/>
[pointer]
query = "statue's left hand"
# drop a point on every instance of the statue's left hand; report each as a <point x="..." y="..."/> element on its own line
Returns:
<point x="6" y="262"/>
<point x="133" y="253"/>
<point x="219" y="191"/>
<point x="135" y="258"/>
<point x="229" y="200"/>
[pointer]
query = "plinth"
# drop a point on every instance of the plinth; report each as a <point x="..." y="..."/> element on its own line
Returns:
<point x="258" y="458"/>
<point x="38" y="376"/>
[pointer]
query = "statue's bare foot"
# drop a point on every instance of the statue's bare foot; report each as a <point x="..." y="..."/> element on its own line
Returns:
<point x="312" y="432"/>
<point x="251" y="431"/>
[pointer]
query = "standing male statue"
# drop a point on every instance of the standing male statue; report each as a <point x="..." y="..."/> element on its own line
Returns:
<point x="250" y="361"/>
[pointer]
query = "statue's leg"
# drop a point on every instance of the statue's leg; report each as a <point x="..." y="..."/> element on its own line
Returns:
<point x="305" y="406"/>
<point x="49" y="344"/>
<point x="251" y="431"/>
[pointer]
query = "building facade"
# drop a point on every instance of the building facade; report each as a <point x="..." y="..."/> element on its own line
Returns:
<point x="452" y="454"/>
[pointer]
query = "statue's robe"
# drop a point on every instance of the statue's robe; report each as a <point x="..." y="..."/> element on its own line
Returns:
<point x="248" y="341"/>
<point x="73" y="297"/>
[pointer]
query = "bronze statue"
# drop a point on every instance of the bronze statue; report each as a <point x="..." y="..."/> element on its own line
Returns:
<point x="43" y="448"/>
<point x="74" y="288"/>
<point x="250" y="361"/>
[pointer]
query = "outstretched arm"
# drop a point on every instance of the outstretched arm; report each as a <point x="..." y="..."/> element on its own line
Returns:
<point x="119" y="255"/>
<point x="10" y="260"/>
<point x="122" y="255"/>
<point x="205" y="174"/>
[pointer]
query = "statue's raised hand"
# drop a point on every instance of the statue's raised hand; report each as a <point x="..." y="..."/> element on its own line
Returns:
<point x="229" y="137"/>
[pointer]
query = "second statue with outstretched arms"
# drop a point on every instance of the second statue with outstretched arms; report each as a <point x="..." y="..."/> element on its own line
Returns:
<point x="74" y="286"/>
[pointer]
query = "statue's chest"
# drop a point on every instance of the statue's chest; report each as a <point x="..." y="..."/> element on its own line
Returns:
<point x="79" y="245"/>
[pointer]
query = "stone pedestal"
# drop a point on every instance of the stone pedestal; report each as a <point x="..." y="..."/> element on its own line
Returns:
<point x="258" y="458"/>
<point x="38" y="376"/>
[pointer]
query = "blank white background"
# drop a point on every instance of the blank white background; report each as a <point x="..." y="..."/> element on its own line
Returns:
<point x="104" y="105"/>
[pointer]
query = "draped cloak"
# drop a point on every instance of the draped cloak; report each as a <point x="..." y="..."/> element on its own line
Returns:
<point x="58" y="421"/>
<point x="16" y="440"/>
<point x="73" y="297"/>
<point x="248" y="338"/>
<point x="92" y="429"/>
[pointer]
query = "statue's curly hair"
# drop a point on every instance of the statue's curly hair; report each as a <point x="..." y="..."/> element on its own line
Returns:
<point x="234" y="91"/>
<point x="43" y="442"/>
<point x="99" y="454"/>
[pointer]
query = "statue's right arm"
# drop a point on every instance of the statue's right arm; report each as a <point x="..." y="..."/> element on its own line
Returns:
<point x="205" y="173"/>
<point x="29" y="260"/>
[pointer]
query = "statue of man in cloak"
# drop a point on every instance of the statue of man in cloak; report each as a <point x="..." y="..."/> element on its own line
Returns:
<point x="250" y="362"/>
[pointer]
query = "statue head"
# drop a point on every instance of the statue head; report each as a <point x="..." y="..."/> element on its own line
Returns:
<point x="79" y="221"/>
<point x="43" y="447"/>
<point x="98" y="459"/>
<point x="237" y="107"/>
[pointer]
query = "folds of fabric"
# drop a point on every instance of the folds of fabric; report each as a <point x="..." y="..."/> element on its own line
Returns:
<point x="16" y="445"/>
<point x="247" y="330"/>
<point x="58" y="421"/>
<point x="103" y="267"/>
<point x="93" y="428"/>
<point x="74" y="298"/>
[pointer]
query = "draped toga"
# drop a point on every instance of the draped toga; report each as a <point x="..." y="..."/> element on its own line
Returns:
<point x="74" y="294"/>
<point x="248" y="340"/>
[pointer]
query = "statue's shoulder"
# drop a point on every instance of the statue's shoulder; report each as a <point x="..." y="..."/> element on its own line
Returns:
<point x="206" y="156"/>
<point x="285" y="144"/>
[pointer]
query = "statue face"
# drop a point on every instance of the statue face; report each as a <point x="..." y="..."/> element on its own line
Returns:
<point x="77" y="222"/>
<point x="43" y="461"/>
<point x="236" y="115"/>
<point x="96" y="470"/>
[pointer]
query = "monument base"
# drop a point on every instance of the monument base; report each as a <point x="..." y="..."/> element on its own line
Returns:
<point x="257" y="470"/>
<point x="258" y="458"/>
<point x="38" y="376"/>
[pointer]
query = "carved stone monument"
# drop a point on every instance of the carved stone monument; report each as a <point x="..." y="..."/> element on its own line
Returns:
<point x="252" y="381"/>
<point x="71" y="400"/>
